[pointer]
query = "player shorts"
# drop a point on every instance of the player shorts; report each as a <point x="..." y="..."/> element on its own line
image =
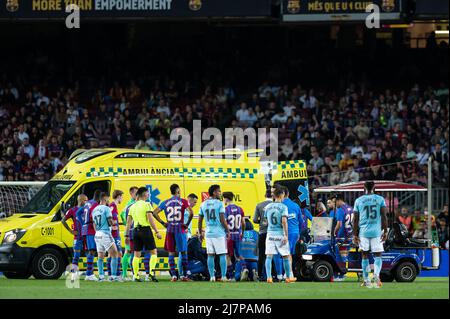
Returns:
<point x="175" y="242"/>
<point x="293" y="239"/>
<point x="216" y="245"/>
<point x="90" y="242"/>
<point x="373" y="244"/>
<point x="103" y="241"/>
<point x="118" y="242"/>
<point x="274" y="245"/>
<point x="143" y="237"/>
<point x="234" y="248"/>
<point x="78" y="244"/>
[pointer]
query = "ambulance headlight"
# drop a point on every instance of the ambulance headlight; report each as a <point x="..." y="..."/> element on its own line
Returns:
<point x="307" y="257"/>
<point x="13" y="235"/>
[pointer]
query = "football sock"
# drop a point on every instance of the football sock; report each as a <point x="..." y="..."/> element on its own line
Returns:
<point x="223" y="265"/>
<point x="377" y="265"/>
<point x="119" y="266"/>
<point x="89" y="264"/>
<point x="211" y="265"/>
<point x="125" y="264"/>
<point x="108" y="265"/>
<point x="136" y="262"/>
<point x="114" y="264"/>
<point x="180" y="264"/>
<point x="269" y="266"/>
<point x="76" y="258"/>
<point x="131" y="263"/>
<point x="365" y="268"/>
<point x="172" y="265"/>
<point x="287" y="267"/>
<point x="100" y="267"/>
<point x="230" y="271"/>
<point x="243" y="264"/>
<point x="278" y="265"/>
<point x="184" y="263"/>
<point x="147" y="262"/>
<point x="153" y="260"/>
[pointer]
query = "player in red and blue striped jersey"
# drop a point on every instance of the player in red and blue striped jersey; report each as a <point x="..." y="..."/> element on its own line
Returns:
<point x="176" y="233"/>
<point x="75" y="213"/>
<point x="343" y="233"/>
<point x="115" y="231"/>
<point x="234" y="215"/>
<point x="88" y="232"/>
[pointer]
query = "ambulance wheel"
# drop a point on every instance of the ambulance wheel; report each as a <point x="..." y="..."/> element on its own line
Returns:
<point x="17" y="275"/>
<point x="48" y="263"/>
<point x="405" y="272"/>
<point x="386" y="277"/>
<point x="322" y="271"/>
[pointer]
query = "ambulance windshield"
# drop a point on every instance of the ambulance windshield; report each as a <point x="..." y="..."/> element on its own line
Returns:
<point x="47" y="197"/>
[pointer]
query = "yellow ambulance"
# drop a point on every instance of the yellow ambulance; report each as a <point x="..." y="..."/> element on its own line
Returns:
<point x="34" y="241"/>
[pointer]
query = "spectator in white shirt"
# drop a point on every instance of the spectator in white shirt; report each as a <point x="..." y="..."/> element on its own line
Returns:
<point x="242" y="113"/>
<point x="22" y="134"/>
<point x="288" y="109"/>
<point x="350" y="175"/>
<point x="422" y="156"/>
<point x="279" y="118"/>
<point x="316" y="161"/>
<point x="356" y="148"/>
<point x="28" y="148"/>
<point x="163" y="108"/>
<point x="251" y="117"/>
<point x="308" y="100"/>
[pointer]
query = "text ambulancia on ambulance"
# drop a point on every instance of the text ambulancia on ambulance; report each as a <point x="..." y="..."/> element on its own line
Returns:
<point x="34" y="241"/>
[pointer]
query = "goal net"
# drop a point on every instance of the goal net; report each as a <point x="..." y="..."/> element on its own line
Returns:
<point x="15" y="195"/>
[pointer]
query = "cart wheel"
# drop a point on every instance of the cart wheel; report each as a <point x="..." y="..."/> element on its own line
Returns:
<point x="405" y="272"/>
<point x="322" y="271"/>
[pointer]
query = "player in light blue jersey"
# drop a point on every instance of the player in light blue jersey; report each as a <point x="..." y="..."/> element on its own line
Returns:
<point x="277" y="242"/>
<point x="217" y="233"/>
<point x="369" y="231"/>
<point x="192" y="200"/>
<point x="102" y="221"/>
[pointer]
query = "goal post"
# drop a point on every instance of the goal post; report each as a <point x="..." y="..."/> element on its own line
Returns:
<point x="15" y="195"/>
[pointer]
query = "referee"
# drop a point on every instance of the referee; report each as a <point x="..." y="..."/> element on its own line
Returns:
<point x="141" y="215"/>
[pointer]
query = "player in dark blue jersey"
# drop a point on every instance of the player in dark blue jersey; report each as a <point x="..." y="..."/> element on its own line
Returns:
<point x="176" y="234"/>
<point x="249" y="251"/>
<point x="236" y="225"/>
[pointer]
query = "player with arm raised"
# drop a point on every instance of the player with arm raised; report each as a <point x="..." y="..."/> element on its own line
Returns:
<point x="369" y="231"/>
<point x="176" y="234"/>
<point x="277" y="233"/>
<point x="217" y="231"/>
<point x="102" y="222"/>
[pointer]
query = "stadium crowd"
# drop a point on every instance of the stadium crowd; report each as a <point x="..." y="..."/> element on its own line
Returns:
<point x="357" y="135"/>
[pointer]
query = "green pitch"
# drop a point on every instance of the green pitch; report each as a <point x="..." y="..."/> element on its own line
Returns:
<point x="431" y="288"/>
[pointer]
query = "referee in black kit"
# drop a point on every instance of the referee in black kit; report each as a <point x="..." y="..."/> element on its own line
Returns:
<point x="141" y="215"/>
